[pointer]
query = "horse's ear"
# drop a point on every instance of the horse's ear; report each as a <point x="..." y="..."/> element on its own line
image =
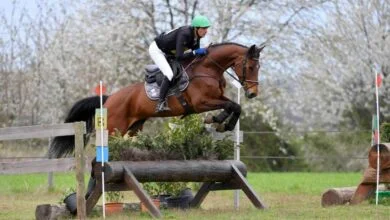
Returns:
<point x="252" y="52"/>
<point x="261" y="47"/>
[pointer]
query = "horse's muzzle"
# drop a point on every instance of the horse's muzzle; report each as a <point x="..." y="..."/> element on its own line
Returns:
<point x="250" y="94"/>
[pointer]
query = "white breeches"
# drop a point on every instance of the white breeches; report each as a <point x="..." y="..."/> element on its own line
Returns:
<point x="159" y="59"/>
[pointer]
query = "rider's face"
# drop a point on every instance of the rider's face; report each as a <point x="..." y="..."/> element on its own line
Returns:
<point x="202" y="32"/>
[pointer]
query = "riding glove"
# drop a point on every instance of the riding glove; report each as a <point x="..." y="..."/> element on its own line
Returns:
<point x="200" y="51"/>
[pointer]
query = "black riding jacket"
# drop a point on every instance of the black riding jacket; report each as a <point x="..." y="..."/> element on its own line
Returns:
<point x="176" y="41"/>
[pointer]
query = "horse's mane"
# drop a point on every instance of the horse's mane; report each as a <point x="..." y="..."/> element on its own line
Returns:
<point x="214" y="46"/>
<point x="227" y="43"/>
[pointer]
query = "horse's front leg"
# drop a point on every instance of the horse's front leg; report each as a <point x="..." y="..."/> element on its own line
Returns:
<point x="229" y="108"/>
<point x="221" y="117"/>
<point x="231" y="124"/>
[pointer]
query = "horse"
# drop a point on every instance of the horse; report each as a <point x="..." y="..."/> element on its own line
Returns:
<point x="130" y="107"/>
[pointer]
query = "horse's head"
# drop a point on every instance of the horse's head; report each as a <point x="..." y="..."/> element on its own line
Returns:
<point x="247" y="68"/>
<point x="243" y="60"/>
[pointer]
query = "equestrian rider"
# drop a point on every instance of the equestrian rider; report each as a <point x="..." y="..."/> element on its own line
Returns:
<point x="176" y="42"/>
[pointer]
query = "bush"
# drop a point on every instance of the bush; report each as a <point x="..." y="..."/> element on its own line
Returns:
<point x="184" y="139"/>
<point x="385" y="132"/>
<point x="180" y="139"/>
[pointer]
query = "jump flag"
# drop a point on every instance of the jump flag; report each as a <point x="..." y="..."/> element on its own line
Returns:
<point x="97" y="90"/>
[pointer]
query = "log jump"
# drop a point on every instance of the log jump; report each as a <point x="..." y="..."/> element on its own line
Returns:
<point x="127" y="175"/>
<point x="367" y="187"/>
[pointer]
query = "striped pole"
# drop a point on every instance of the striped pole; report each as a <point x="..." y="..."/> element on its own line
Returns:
<point x="101" y="139"/>
<point x="378" y="81"/>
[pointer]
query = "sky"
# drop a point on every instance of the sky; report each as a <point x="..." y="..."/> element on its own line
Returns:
<point x="7" y="6"/>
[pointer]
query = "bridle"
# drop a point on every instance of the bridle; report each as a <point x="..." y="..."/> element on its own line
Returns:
<point x="242" y="81"/>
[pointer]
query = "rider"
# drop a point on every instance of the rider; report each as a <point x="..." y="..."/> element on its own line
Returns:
<point x="175" y="42"/>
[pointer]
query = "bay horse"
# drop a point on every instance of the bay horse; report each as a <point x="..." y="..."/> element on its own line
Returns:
<point x="130" y="107"/>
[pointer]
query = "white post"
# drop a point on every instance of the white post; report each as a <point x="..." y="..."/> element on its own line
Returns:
<point x="237" y="153"/>
<point x="377" y="141"/>
<point x="102" y="147"/>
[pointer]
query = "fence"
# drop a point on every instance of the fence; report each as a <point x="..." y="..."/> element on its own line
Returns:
<point x="52" y="165"/>
<point x="39" y="131"/>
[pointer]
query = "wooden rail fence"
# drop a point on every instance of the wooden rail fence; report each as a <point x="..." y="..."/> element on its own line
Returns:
<point x="50" y="165"/>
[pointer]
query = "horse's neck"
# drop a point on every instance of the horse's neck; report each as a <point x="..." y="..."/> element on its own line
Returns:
<point x="214" y="63"/>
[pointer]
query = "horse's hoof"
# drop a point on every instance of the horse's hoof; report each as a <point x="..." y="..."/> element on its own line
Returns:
<point x="220" y="128"/>
<point x="208" y="119"/>
<point x="215" y="125"/>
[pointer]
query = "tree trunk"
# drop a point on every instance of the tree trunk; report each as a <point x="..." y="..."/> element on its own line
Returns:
<point x="340" y="196"/>
<point x="174" y="170"/>
<point x="384" y="156"/>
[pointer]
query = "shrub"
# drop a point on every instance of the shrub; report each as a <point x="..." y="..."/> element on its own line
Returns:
<point x="385" y="132"/>
<point x="180" y="139"/>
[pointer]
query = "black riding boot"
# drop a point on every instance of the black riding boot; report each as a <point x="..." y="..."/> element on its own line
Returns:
<point x="162" y="101"/>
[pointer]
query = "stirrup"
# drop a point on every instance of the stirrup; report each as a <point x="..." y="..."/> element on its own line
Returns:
<point x="162" y="106"/>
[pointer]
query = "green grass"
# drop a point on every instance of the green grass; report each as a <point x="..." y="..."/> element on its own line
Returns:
<point x="298" y="183"/>
<point x="287" y="196"/>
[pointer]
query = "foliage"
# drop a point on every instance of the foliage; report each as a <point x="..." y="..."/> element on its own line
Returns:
<point x="385" y="132"/>
<point x="114" y="196"/>
<point x="269" y="144"/>
<point x="164" y="188"/>
<point x="334" y="151"/>
<point x="184" y="139"/>
<point x="66" y="193"/>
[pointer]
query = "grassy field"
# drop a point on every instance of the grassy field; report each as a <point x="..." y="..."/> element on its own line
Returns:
<point x="287" y="196"/>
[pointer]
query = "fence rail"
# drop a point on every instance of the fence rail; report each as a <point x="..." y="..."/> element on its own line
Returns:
<point x="51" y="165"/>
<point x="37" y="131"/>
<point x="40" y="166"/>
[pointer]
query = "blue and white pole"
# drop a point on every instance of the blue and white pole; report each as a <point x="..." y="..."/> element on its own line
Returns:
<point x="101" y="139"/>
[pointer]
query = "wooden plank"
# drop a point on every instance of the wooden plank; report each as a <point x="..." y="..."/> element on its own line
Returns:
<point x="133" y="183"/>
<point x="37" y="131"/>
<point x="250" y="193"/>
<point x="94" y="197"/>
<point x="201" y="194"/>
<point x="79" y="127"/>
<point x="39" y="166"/>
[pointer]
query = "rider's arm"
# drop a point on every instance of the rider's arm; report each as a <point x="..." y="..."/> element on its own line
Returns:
<point x="180" y="55"/>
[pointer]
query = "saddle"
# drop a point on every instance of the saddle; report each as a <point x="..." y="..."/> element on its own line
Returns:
<point x="154" y="78"/>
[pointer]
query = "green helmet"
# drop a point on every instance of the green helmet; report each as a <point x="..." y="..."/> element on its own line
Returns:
<point x="200" y="21"/>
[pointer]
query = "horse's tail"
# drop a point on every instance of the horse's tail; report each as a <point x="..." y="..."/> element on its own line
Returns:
<point x="83" y="110"/>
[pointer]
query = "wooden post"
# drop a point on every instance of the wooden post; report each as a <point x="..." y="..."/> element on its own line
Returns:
<point x="133" y="184"/>
<point x="244" y="185"/>
<point x="50" y="174"/>
<point x="79" y="128"/>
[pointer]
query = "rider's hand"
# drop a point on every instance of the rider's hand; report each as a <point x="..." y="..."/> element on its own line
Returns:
<point x="200" y="51"/>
